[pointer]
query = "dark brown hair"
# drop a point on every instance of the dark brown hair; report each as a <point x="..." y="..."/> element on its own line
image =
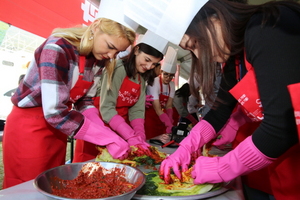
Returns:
<point x="129" y="62"/>
<point x="184" y="92"/>
<point x="233" y="17"/>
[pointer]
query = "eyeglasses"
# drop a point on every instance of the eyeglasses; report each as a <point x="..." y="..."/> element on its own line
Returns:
<point x="167" y="75"/>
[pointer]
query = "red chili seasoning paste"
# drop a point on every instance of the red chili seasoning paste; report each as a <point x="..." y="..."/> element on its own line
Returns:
<point x="100" y="183"/>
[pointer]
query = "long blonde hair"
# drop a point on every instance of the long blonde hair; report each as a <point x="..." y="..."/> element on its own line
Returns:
<point x="79" y="37"/>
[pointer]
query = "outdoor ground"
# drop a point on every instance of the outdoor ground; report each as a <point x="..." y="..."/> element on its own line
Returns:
<point x="1" y="162"/>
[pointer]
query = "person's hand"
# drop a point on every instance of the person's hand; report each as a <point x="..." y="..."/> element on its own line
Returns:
<point x="169" y="112"/>
<point x="149" y="100"/>
<point x="177" y="161"/>
<point x="244" y="159"/>
<point x="118" y="124"/>
<point x="196" y="154"/>
<point x="166" y="120"/>
<point x="115" y="147"/>
<point x="99" y="134"/>
<point x="140" y="144"/>
<point x="229" y="131"/>
<point x="200" y="134"/>
<point x="138" y="125"/>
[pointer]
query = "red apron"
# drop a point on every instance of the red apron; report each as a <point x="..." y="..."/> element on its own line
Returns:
<point x="246" y="92"/>
<point x="153" y="125"/>
<point x="281" y="178"/>
<point x="81" y="86"/>
<point x="294" y="90"/>
<point x="31" y="145"/>
<point x="129" y="94"/>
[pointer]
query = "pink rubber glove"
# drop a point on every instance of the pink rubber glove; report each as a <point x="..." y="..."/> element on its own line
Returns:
<point x="229" y="131"/>
<point x="244" y="159"/>
<point x="118" y="124"/>
<point x="149" y="99"/>
<point x="200" y="134"/>
<point x="93" y="114"/>
<point x="99" y="134"/>
<point x="166" y="120"/>
<point x="139" y="128"/>
<point x="169" y="112"/>
<point x="192" y="119"/>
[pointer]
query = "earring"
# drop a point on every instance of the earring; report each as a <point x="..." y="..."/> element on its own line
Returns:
<point x="92" y="36"/>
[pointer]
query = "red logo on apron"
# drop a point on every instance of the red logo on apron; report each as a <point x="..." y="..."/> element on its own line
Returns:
<point x="294" y="90"/>
<point x="246" y="92"/>
<point x="129" y="94"/>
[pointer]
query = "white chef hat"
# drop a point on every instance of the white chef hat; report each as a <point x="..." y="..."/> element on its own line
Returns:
<point x="167" y="18"/>
<point x="154" y="41"/>
<point x="170" y="61"/>
<point x="114" y="10"/>
<point x="139" y="38"/>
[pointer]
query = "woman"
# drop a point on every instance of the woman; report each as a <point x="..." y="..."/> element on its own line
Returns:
<point x="122" y="104"/>
<point x="159" y="116"/>
<point x="180" y="102"/>
<point x="156" y="72"/>
<point x="53" y="102"/>
<point x="260" y="45"/>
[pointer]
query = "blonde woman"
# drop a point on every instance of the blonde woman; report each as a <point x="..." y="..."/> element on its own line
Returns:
<point x="122" y="106"/>
<point x="55" y="99"/>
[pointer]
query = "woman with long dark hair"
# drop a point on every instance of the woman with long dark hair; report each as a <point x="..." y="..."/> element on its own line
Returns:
<point x="260" y="45"/>
<point x="180" y="102"/>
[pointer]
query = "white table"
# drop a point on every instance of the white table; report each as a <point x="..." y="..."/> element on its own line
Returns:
<point x="27" y="191"/>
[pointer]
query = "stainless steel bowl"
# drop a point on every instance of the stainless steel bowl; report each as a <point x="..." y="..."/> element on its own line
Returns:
<point x="44" y="181"/>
